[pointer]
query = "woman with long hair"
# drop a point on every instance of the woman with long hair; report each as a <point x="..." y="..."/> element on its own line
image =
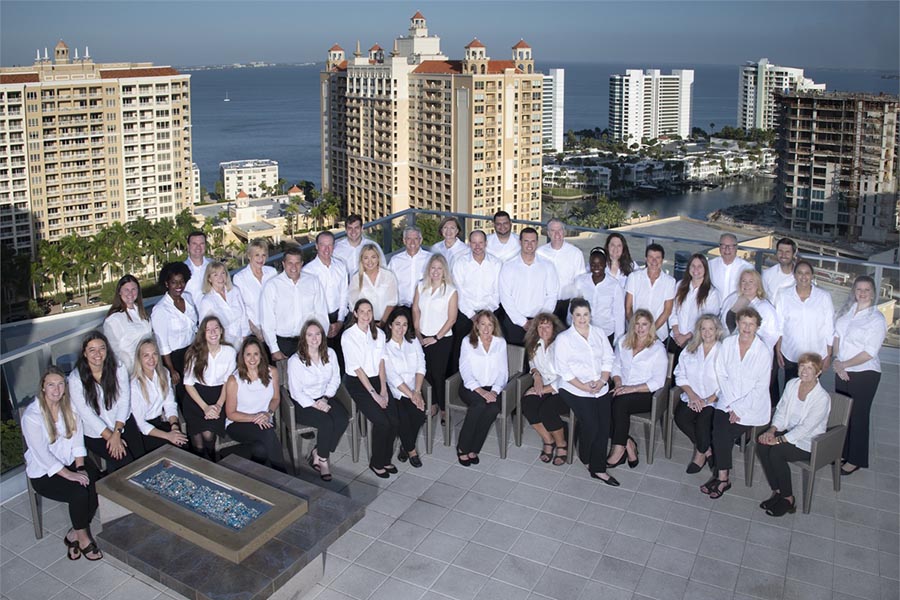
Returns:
<point x="450" y="246"/>
<point x="541" y="404"/>
<point x="153" y="399"/>
<point x="694" y="296"/>
<point x="374" y="282"/>
<point x="101" y="394"/>
<point x="313" y="376"/>
<point x="605" y="294"/>
<point x="405" y="365"/>
<point x="209" y="362"/>
<point x="620" y="264"/>
<point x="127" y="322"/>
<point x="221" y="299"/>
<point x="252" y="395"/>
<point x="174" y="320"/>
<point x="56" y="461"/>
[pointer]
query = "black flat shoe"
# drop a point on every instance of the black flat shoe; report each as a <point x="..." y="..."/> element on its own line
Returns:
<point x="463" y="459"/>
<point x="770" y="502"/>
<point x="382" y="475"/>
<point x="610" y="480"/>
<point x="402" y="456"/>
<point x="637" y="457"/>
<point x="73" y="549"/>
<point x="415" y="461"/>
<point x="781" y="507"/>
<point x="390" y="469"/>
<point x="622" y="460"/>
<point x="474" y="461"/>
<point x="850" y="472"/>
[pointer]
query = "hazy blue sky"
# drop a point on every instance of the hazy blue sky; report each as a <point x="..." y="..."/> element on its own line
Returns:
<point x="807" y="34"/>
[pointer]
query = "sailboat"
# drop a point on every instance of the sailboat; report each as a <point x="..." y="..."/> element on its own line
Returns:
<point x="227" y="99"/>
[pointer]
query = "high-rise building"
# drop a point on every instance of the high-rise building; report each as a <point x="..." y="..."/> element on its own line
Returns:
<point x="410" y="128"/>
<point x="195" y="184"/>
<point x="85" y="144"/>
<point x="648" y="104"/>
<point x="246" y="176"/>
<point x="760" y="82"/>
<point x="837" y="164"/>
<point x="554" y="109"/>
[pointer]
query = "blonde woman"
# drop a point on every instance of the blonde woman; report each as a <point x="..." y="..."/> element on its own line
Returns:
<point x="751" y="294"/>
<point x="153" y="399"/>
<point x="221" y="299"/>
<point x="250" y="280"/>
<point x="375" y="283"/>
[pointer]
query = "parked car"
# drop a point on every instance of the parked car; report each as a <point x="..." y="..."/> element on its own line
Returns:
<point x="93" y="300"/>
<point x="71" y="305"/>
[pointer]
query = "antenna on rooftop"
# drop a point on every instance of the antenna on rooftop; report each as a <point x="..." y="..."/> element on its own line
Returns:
<point x="45" y="54"/>
<point x="76" y="53"/>
<point x="87" y="52"/>
<point x="37" y="56"/>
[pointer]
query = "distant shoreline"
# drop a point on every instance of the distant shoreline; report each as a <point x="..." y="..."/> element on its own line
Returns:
<point x="235" y="66"/>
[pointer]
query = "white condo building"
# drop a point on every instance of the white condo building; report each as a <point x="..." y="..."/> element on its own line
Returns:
<point x="554" y="109"/>
<point x="759" y="82"/>
<point x="648" y="104"/>
<point x="247" y="175"/>
<point x="195" y="184"/>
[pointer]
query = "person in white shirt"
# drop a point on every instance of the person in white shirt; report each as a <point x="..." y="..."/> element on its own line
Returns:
<point x="223" y="300"/>
<point x="541" y="404"/>
<point x="409" y="266"/>
<point x="334" y="278"/>
<point x="174" y="320"/>
<point x="348" y="248"/>
<point x="528" y="286"/>
<point x="477" y="278"/>
<point x="568" y="262"/>
<point x="802" y="414"/>
<point x="127" y="322"/>
<point x="807" y="321"/>
<point x="288" y="300"/>
<point x="695" y="374"/>
<point x="780" y="276"/>
<point x="404" y="367"/>
<point x="695" y="296"/>
<point x="197" y="263"/>
<point x="652" y="289"/>
<point x="859" y="332"/>
<point x="618" y="256"/>
<point x="639" y="369"/>
<point x="451" y="246"/>
<point x="583" y="360"/>
<point x="605" y="295"/>
<point x="374" y="282"/>
<point x="751" y="294"/>
<point x="101" y="394"/>
<point x="725" y="269"/>
<point x="503" y="244"/>
<point x="484" y="369"/>
<point x="250" y="281"/>
<point x="313" y="378"/>
<point x="56" y="461"/>
<point x="743" y="367"/>
<point x="153" y="399"/>
<point x="208" y="363"/>
<point x="252" y="395"/>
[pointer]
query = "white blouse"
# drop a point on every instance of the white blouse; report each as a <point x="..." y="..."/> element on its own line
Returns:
<point x="174" y="329"/>
<point x="125" y="334"/>
<point x="383" y="292"/>
<point x="607" y="300"/>
<point x="361" y="351"/>
<point x="542" y="362"/>
<point x="650" y="365"/>
<point x="218" y="368"/>
<point x="94" y="423"/>
<point x="803" y="420"/>
<point x="402" y="362"/>
<point x="251" y="289"/>
<point x="698" y="371"/>
<point x="584" y="359"/>
<point x="252" y="397"/>
<point x="685" y="315"/>
<point x="569" y="264"/>
<point x="458" y="248"/>
<point x="484" y="369"/>
<point x="651" y="295"/>
<point x="807" y="326"/>
<point x="769" y="330"/>
<point x="861" y="331"/>
<point x="230" y="311"/>
<point x="154" y="404"/>
<point x="744" y="383"/>
<point x="43" y="458"/>
<point x="309" y="383"/>
<point x="434" y="309"/>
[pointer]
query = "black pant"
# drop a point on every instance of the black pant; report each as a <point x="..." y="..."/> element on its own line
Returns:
<point x="674" y="349"/>
<point x="544" y="410"/>
<point x="385" y="421"/>
<point x="479" y="418"/>
<point x="461" y="329"/>
<point x="696" y="425"/>
<point x="437" y="361"/>
<point x="622" y="408"/>
<point x="335" y="342"/>
<point x="82" y="500"/>
<point x="561" y="310"/>
<point x="514" y="334"/>
<point x="411" y="420"/>
<point x="724" y="434"/>
<point x="861" y="387"/>
<point x="177" y="357"/>
<point x="774" y="388"/>
<point x="134" y="448"/>
<point x="263" y="443"/>
<point x="287" y="345"/>
<point x="774" y="460"/>
<point x="791" y="371"/>
<point x="330" y="426"/>
<point x="593" y="416"/>
<point x="151" y="443"/>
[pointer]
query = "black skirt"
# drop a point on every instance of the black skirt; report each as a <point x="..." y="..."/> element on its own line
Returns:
<point x="195" y="419"/>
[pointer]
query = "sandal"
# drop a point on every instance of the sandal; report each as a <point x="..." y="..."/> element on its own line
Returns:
<point x="547" y="456"/>
<point x="323" y="469"/>
<point x="719" y="488"/>
<point x="771" y="501"/>
<point x="781" y="507"/>
<point x="562" y="453"/>
<point x="313" y="459"/>
<point x="707" y="487"/>
<point x="73" y="549"/>
<point x="92" y="549"/>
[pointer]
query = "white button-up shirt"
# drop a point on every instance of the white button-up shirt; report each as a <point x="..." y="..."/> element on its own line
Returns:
<point x="584" y="359"/>
<point x="480" y="369"/>
<point x="775" y="282"/>
<point x="543" y="363"/>
<point x="218" y="368"/>
<point x="803" y="420"/>
<point x="725" y="277"/>
<point x="94" y="423"/>
<point x="251" y="290"/>
<point x="402" y="362"/>
<point x="409" y="271"/>
<point x="458" y="248"/>
<point x="650" y="365"/>
<point x="607" y="300"/>
<point x="685" y="314"/>
<point x="43" y="458"/>
<point x="478" y="284"/>
<point x="308" y="383"/>
<point x="744" y="383"/>
<point x="861" y="331"/>
<point x="350" y="254"/>
<point x="285" y="306"/>
<point x="154" y="403"/>
<point x="769" y="330"/>
<point x="651" y="296"/>
<point x="434" y="309"/>
<point x="229" y="310"/>
<point x="806" y="326"/>
<point x="504" y="251"/>
<point x="173" y="329"/>
<point x="381" y="293"/>
<point x="194" y="285"/>
<point x="124" y="334"/>
<point x="334" y="280"/>
<point x="526" y="290"/>
<point x="697" y="370"/>
<point x="361" y="351"/>
<point x="569" y="264"/>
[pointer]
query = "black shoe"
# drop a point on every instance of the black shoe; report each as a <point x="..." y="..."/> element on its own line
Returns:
<point x="415" y="461"/>
<point x="693" y="468"/>
<point x="610" y="465"/>
<point x="308" y="435"/>
<point x="637" y="457"/>
<point x="383" y="475"/>
<point x="772" y="500"/>
<point x="463" y="458"/>
<point x="402" y="456"/>
<point x="474" y="461"/>
<point x="390" y="469"/>
<point x="781" y="508"/>
<point x="850" y="472"/>
<point x="610" y="480"/>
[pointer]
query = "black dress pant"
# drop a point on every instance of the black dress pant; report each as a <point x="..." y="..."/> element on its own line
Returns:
<point x="461" y="329"/>
<point x="437" y="362"/>
<point x="861" y="387"/>
<point x="514" y="334"/>
<point x="696" y="425"/>
<point x="724" y="434"/>
<point x="82" y="500"/>
<point x="287" y="345"/>
<point x="134" y="447"/>
<point x="264" y="446"/>
<point x="791" y="371"/>
<point x="385" y="421"/>
<point x="561" y="310"/>
<point x="411" y="420"/>
<point x="177" y="357"/>
<point x="335" y="342"/>
<point x="151" y="443"/>
<point x="544" y="410"/>
<point x="674" y="349"/>
<point x="479" y="418"/>
<point x="330" y="426"/>
<point x="774" y="460"/>
<point x="622" y="408"/>
<point x="774" y="387"/>
<point x="593" y="416"/>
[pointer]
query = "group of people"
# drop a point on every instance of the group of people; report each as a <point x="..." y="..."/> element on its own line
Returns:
<point x="600" y="340"/>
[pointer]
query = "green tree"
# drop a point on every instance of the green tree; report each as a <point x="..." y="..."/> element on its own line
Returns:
<point x="220" y="191"/>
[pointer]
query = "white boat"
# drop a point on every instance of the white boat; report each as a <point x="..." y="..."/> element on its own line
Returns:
<point x="227" y="99"/>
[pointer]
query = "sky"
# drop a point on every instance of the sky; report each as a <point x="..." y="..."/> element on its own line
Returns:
<point x="832" y="34"/>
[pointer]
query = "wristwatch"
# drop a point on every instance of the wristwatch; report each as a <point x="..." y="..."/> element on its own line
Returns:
<point x="121" y="430"/>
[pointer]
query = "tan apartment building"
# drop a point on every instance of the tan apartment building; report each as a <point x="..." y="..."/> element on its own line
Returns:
<point x="85" y="144"/>
<point x="411" y="128"/>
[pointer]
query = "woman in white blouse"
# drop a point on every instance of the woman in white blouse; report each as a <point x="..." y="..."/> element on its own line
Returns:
<point x="695" y="374"/>
<point x="221" y="299"/>
<point x="375" y="283"/>
<point x="639" y="369"/>
<point x="127" y="322"/>
<point x="451" y="246"/>
<point x="313" y="378"/>
<point x="743" y="366"/>
<point x="807" y="317"/>
<point x="56" y="461"/>
<point x="174" y="320"/>
<point x="153" y="399"/>
<point x="250" y="280"/>
<point x="605" y="294"/>
<point x="541" y="404"/>
<point x="859" y="332"/>
<point x="801" y="415"/>
<point x="695" y="296"/>
<point x="619" y="258"/>
<point x="209" y="362"/>
<point x="252" y="394"/>
<point x="365" y="380"/>
<point x="405" y="368"/>
<point x="434" y="312"/>
<point x="100" y="392"/>
<point x="484" y="369"/>
<point x="583" y="359"/>
<point x="750" y="293"/>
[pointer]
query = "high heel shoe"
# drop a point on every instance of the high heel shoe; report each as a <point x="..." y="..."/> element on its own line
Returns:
<point x="637" y="457"/>
<point x="610" y="465"/>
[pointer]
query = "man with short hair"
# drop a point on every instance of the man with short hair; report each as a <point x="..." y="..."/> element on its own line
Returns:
<point x="196" y="262"/>
<point x="653" y="289"/>
<point x="409" y="265"/>
<point x="348" y="248"/>
<point x="503" y="243"/>
<point x="332" y="275"/>
<point x="781" y="275"/>
<point x="568" y="261"/>
<point x="725" y="270"/>
<point x="528" y="286"/>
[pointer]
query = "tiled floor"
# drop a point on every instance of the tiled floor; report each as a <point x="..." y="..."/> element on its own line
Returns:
<point x="517" y="529"/>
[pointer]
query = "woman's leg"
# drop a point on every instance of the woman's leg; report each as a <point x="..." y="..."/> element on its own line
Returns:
<point x="437" y="361"/>
<point x="477" y="424"/>
<point x="861" y="387"/>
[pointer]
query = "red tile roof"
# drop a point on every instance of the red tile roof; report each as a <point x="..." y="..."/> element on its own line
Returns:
<point x="454" y="67"/>
<point x="474" y="44"/>
<point x="61" y="44"/>
<point x="20" y="78"/>
<point x="376" y="47"/>
<point x="341" y="66"/>
<point x="242" y="194"/>
<point x="335" y="48"/>
<point x="418" y="15"/>
<point x="140" y="72"/>
<point x="521" y="44"/>
<point x="294" y="190"/>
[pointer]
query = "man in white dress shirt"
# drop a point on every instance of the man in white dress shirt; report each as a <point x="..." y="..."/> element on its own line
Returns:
<point x="503" y="243"/>
<point x="653" y="289"/>
<point x="780" y="276"/>
<point x="409" y="265"/>
<point x="348" y="248"/>
<point x="528" y="286"/>
<point x="476" y="275"/>
<point x="196" y="262"/>
<point x="332" y="275"/>
<point x="726" y="269"/>
<point x="289" y="300"/>
<point x="568" y="261"/>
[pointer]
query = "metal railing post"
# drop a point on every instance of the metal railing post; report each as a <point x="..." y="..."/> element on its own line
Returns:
<point x="387" y="236"/>
<point x="877" y="277"/>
